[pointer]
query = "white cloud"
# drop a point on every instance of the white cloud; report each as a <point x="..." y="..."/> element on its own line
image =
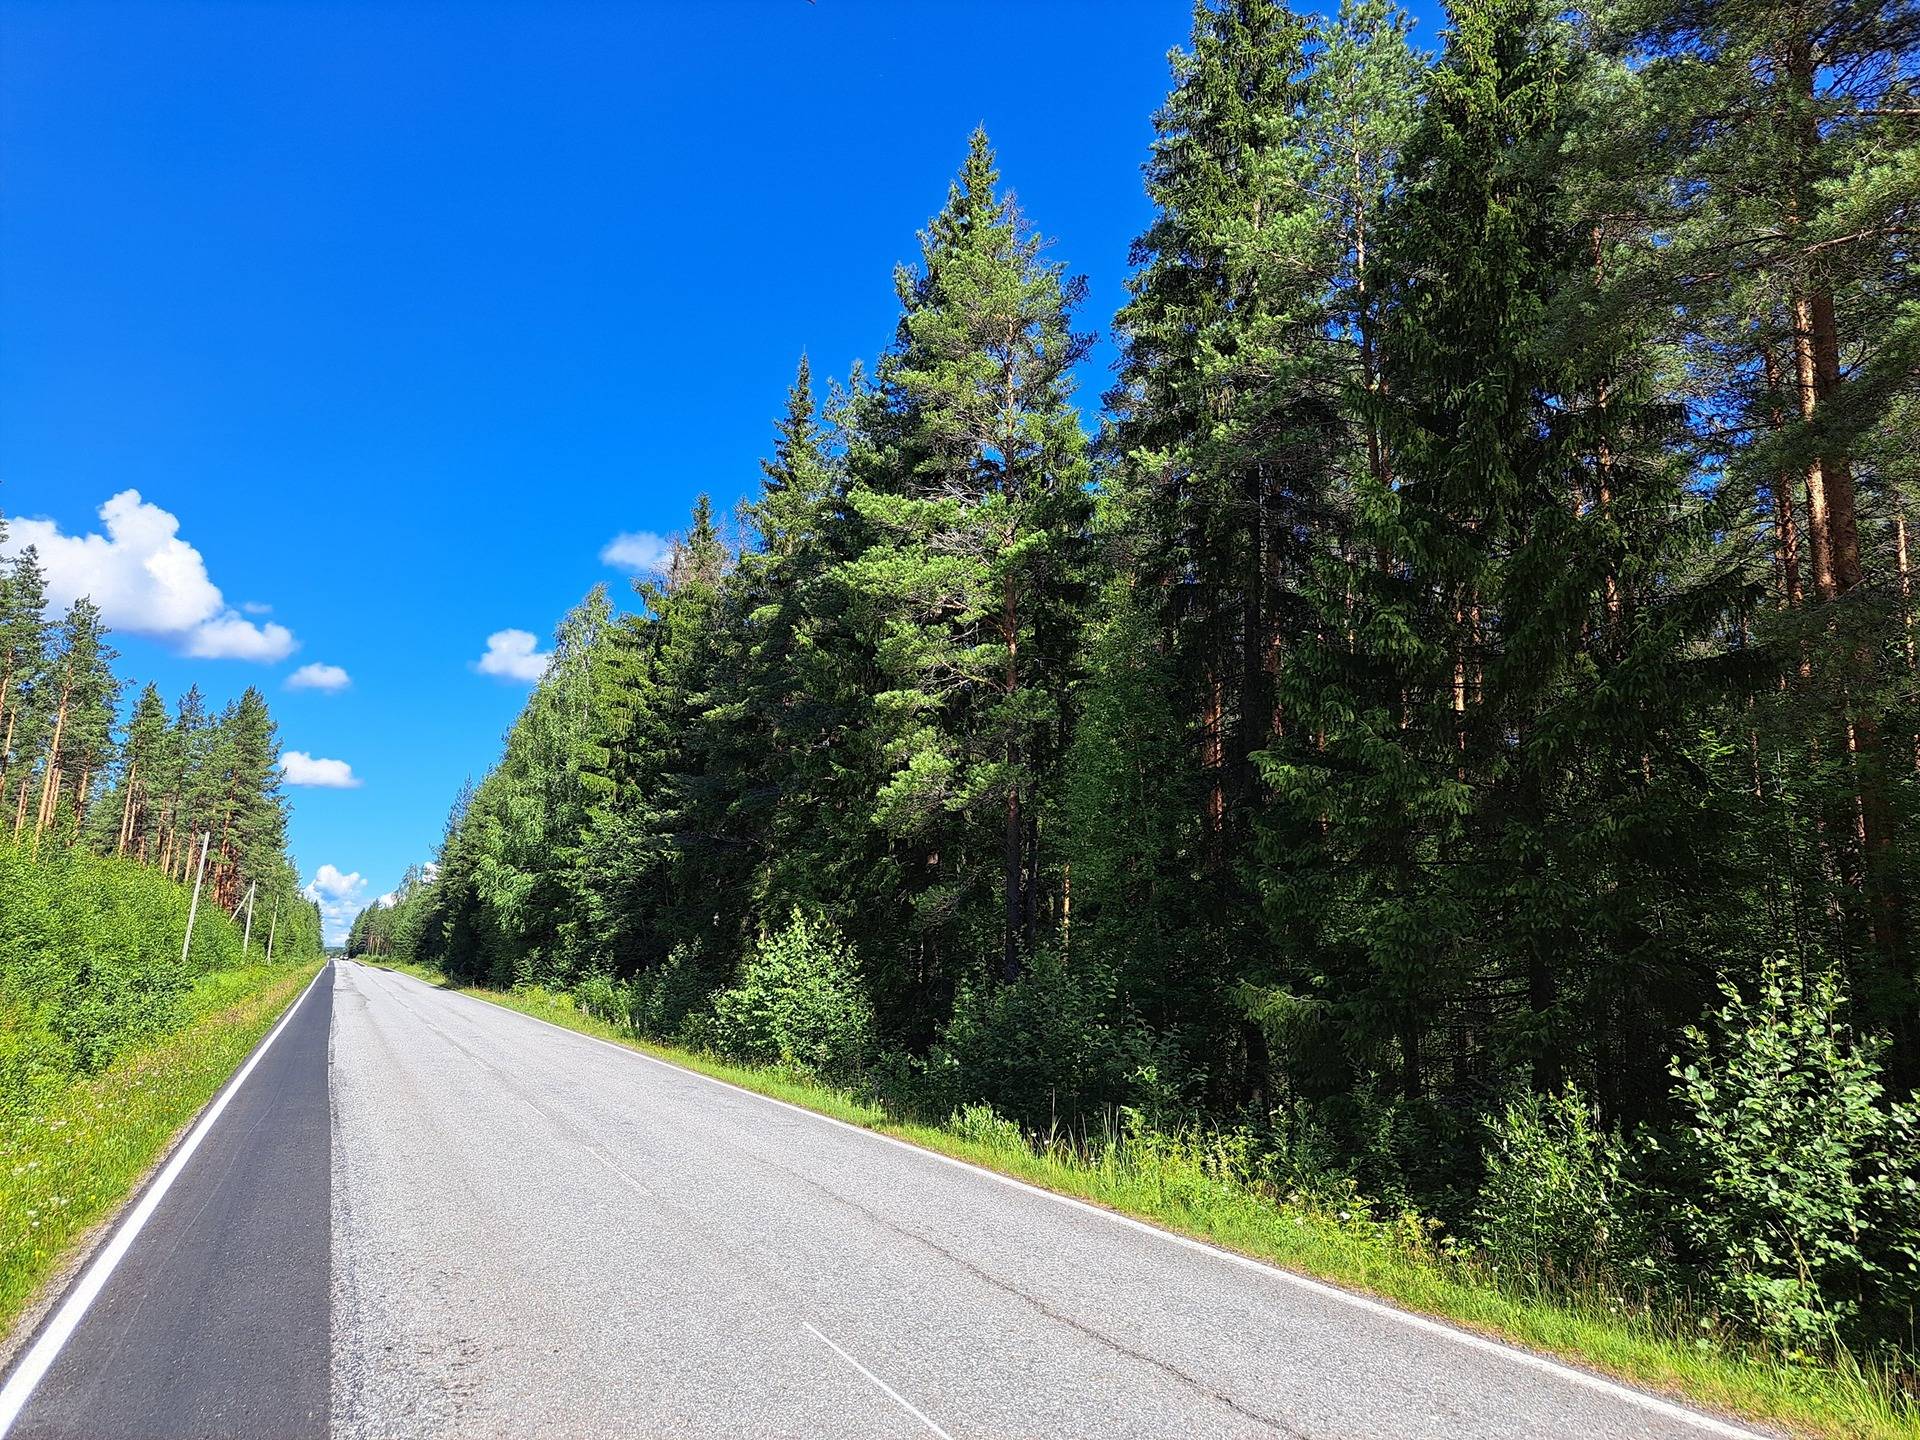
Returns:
<point x="319" y="677"/>
<point x="339" y="898"/>
<point x="301" y="768"/>
<point x="147" y="580"/>
<point x="256" y="607"/>
<point x="230" y="637"/>
<point x="385" y="902"/>
<point x="511" y="655"/>
<point x="638" y="552"/>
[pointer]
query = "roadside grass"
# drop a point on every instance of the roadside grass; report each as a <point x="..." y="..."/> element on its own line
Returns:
<point x="75" y="1159"/>
<point x="1175" y="1183"/>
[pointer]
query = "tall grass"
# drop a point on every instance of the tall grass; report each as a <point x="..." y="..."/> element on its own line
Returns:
<point x="1202" y="1184"/>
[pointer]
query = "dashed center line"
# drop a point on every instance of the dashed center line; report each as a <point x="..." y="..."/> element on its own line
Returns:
<point x="891" y="1393"/>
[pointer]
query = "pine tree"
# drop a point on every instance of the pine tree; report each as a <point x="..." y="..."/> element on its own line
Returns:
<point x="128" y="816"/>
<point x="973" y="485"/>
<point x="789" y="693"/>
<point x="1793" y="181"/>
<point x="191" y="794"/>
<point x="23" y="658"/>
<point x="82" y="694"/>
<point x="252" y="830"/>
<point x="1220" y="423"/>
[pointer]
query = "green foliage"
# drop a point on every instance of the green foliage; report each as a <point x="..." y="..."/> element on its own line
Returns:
<point x="90" y="964"/>
<point x="1047" y="1049"/>
<point x="1798" y="1181"/>
<point x="1554" y="1212"/>
<point x="800" y="1001"/>
<point x="1478" y="636"/>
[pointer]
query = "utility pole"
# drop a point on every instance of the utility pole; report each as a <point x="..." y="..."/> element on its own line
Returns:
<point x="193" y="906"/>
<point x="272" y="926"/>
<point x="246" y="936"/>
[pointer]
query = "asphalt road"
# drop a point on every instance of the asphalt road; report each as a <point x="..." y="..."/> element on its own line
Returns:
<point x="533" y="1233"/>
<point x="215" y="1321"/>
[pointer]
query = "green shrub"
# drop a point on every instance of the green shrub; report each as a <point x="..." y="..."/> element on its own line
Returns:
<point x="800" y="1002"/>
<point x="1550" y="1212"/>
<point x="1799" y="1185"/>
<point x="1043" y="1049"/>
<point x="604" y="998"/>
<point x="90" y="963"/>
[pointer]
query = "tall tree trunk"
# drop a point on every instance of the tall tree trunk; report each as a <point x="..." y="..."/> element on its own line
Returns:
<point x="126" y="809"/>
<point x="1013" y="846"/>
<point x="1212" y="721"/>
<point x="48" y="785"/>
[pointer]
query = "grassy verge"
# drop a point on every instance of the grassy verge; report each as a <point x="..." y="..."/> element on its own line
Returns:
<point x="67" y="1166"/>
<point x="1174" y="1185"/>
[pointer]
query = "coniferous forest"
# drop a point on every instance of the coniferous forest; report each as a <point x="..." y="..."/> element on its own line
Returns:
<point x="1447" y="715"/>
<point x="102" y="836"/>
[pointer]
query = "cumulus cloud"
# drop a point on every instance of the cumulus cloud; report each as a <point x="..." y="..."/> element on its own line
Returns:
<point x="639" y="552"/>
<point x="301" y="768"/>
<point x="511" y="654"/>
<point x="339" y="897"/>
<point x="232" y="637"/>
<point x="147" y="580"/>
<point x="319" y="677"/>
<point x="256" y="607"/>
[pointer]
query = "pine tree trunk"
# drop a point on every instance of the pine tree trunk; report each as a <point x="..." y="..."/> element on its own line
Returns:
<point x="126" y="809"/>
<point x="6" y="694"/>
<point x="1255" y="708"/>
<point x="6" y="749"/>
<point x="1906" y="595"/>
<point x="48" y="785"/>
<point x="1838" y="572"/>
<point x="1015" y="836"/>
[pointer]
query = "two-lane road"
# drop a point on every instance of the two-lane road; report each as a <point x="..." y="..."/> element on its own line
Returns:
<point x="425" y="1215"/>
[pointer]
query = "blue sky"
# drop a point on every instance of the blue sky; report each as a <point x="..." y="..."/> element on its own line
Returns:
<point x="403" y="312"/>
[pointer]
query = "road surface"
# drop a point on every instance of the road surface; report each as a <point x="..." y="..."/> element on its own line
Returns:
<point x="423" y="1215"/>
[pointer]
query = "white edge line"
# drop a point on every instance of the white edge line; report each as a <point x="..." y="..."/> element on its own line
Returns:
<point x="1709" y="1423"/>
<point x="46" y="1349"/>
<point x="893" y="1394"/>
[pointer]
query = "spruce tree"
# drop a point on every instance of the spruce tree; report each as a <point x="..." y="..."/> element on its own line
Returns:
<point x="1232" y="444"/>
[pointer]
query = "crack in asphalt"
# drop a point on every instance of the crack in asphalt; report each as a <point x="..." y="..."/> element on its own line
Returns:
<point x="1060" y="1317"/>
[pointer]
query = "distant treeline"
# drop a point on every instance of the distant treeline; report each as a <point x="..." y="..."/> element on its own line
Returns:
<point x="148" y="791"/>
<point x="1456" y="720"/>
<point x="101" y="842"/>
